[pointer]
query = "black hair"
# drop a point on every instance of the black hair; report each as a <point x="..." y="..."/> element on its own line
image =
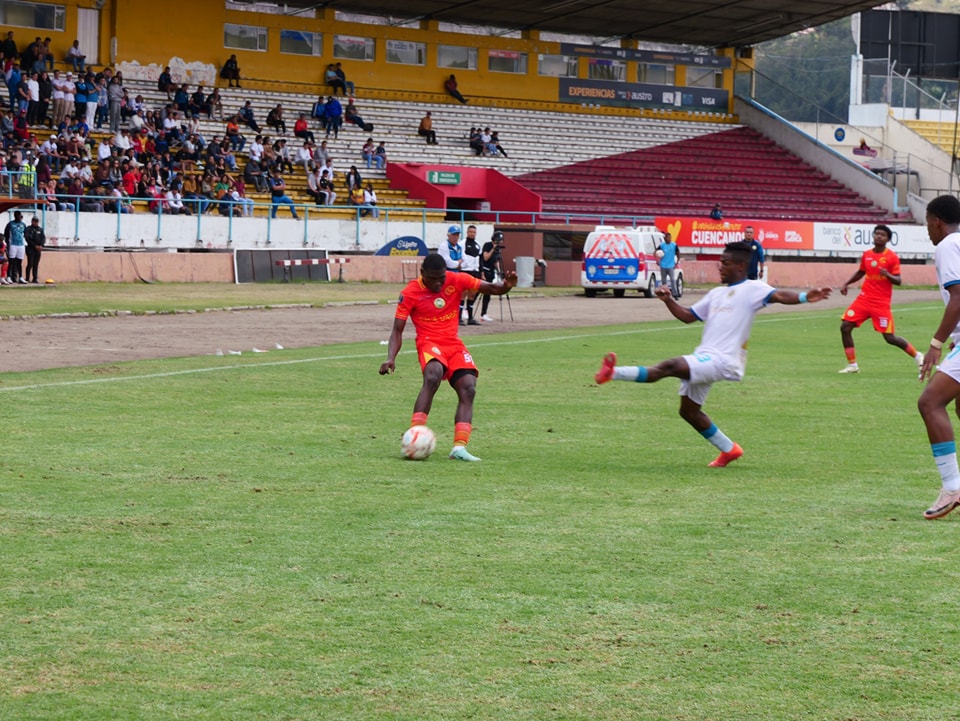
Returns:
<point x="434" y="261"/>
<point x="946" y="208"/>
<point x="885" y="229"/>
<point x="740" y="250"/>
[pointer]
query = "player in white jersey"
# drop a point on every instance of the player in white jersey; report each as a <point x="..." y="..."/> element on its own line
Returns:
<point x="727" y="313"/>
<point x="943" y="227"/>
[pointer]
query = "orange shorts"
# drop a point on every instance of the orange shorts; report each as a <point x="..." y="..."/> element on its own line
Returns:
<point x="453" y="355"/>
<point x="881" y="314"/>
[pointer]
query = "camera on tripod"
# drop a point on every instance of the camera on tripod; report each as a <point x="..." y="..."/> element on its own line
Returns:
<point x="498" y="244"/>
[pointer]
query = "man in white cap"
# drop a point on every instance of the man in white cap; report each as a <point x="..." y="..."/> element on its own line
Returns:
<point x="452" y="253"/>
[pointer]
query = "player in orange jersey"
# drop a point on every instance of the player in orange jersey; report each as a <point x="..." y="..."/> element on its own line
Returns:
<point x="880" y="268"/>
<point x="432" y="302"/>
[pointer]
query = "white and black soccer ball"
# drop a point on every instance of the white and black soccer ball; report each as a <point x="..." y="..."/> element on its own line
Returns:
<point x="418" y="443"/>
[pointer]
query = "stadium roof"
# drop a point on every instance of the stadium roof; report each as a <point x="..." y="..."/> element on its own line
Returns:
<point x="710" y="23"/>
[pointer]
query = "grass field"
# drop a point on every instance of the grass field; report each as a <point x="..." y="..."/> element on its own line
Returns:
<point x="227" y="538"/>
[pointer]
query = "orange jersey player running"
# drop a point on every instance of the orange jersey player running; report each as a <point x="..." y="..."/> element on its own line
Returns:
<point x="880" y="269"/>
<point x="432" y="302"/>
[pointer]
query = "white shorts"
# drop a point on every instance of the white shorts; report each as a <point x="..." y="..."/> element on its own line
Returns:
<point x="16" y="251"/>
<point x="951" y="364"/>
<point x="705" y="370"/>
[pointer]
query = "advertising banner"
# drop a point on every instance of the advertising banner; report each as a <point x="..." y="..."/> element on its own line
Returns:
<point x="857" y="237"/>
<point x="794" y="235"/>
<point x="645" y="56"/>
<point x="407" y="245"/>
<point x="706" y="233"/>
<point x="642" y="95"/>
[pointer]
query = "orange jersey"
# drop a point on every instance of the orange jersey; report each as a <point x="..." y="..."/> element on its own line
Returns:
<point x="436" y="316"/>
<point x="875" y="288"/>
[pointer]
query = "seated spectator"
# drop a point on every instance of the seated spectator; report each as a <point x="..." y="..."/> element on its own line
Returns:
<point x="255" y="151"/>
<point x="476" y="144"/>
<point x="181" y="98"/>
<point x="121" y="201"/>
<point x="282" y="156"/>
<point x="275" y="120"/>
<point x="233" y="135"/>
<point x="368" y="152"/>
<point x="231" y="71"/>
<point x="354" y="179"/>
<point x="326" y="184"/>
<point x="247" y="117"/>
<point x="165" y="82"/>
<point x="313" y="186"/>
<point x="333" y="115"/>
<point x="351" y="115"/>
<point x="370" y="202"/>
<point x="495" y="139"/>
<point x="198" y="103"/>
<point x="488" y="147"/>
<point x="77" y="58"/>
<point x="451" y="87"/>
<point x="331" y="78"/>
<point x="319" y="110"/>
<point x="215" y="104"/>
<point x="356" y="197"/>
<point x="305" y="156"/>
<point x="192" y="195"/>
<point x="717" y="212"/>
<point x="381" y="155"/>
<point x="321" y="155"/>
<point x="173" y="203"/>
<point x="426" y="129"/>
<point x="302" y="130"/>
<point x="348" y="86"/>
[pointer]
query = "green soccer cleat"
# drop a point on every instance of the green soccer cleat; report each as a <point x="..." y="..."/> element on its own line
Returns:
<point x="460" y="453"/>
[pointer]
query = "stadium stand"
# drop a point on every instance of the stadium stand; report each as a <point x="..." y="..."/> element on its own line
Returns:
<point x="748" y="174"/>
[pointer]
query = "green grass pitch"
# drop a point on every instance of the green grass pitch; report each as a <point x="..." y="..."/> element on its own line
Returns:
<point x="238" y="538"/>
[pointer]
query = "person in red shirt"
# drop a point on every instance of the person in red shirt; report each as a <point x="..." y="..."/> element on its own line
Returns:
<point x="432" y="302"/>
<point x="880" y="269"/>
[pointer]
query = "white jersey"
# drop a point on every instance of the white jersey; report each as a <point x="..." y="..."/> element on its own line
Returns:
<point x="727" y="313"/>
<point x="946" y="255"/>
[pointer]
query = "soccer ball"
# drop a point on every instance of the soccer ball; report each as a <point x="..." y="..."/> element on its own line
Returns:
<point x="659" y="254"/>
<point x="418" y="443"/>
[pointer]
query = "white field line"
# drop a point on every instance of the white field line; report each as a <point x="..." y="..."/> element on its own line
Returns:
<point x="780" y="318"/>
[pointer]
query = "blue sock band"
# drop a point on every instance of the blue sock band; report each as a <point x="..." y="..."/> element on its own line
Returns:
<point x="641" y="374"/>
<point x="711" y="431"/>
<point x="943" y="449"/>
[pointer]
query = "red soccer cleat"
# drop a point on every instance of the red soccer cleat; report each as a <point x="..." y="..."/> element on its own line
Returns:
<point x="726" y="458"/>
<point x="606" y="370"/>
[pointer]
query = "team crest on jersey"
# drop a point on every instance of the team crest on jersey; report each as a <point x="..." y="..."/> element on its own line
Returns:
<point x="438" y="303"/>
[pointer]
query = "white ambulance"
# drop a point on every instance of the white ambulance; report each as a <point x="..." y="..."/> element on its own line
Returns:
<point x="622" y="259"/>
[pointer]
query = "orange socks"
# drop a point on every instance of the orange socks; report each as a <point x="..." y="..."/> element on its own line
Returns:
<point x="418" y="419"/>
<point x="851" y="355"/>
<point x="461" y="433"/>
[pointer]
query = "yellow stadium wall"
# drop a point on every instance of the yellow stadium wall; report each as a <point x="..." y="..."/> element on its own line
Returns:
<point x="133" y="31"/>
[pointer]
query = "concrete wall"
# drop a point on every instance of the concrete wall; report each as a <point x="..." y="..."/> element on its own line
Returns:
<point x="128" y="267"/>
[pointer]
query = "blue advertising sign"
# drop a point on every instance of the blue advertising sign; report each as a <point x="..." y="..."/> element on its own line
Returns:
<point x="642" y="95"/>
<point x="407" y="245"/>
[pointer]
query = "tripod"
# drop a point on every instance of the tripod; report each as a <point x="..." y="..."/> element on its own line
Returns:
<point x="498" y="277"/>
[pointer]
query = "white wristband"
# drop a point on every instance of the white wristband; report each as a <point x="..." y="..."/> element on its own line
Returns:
<point x="934" y="343"/>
